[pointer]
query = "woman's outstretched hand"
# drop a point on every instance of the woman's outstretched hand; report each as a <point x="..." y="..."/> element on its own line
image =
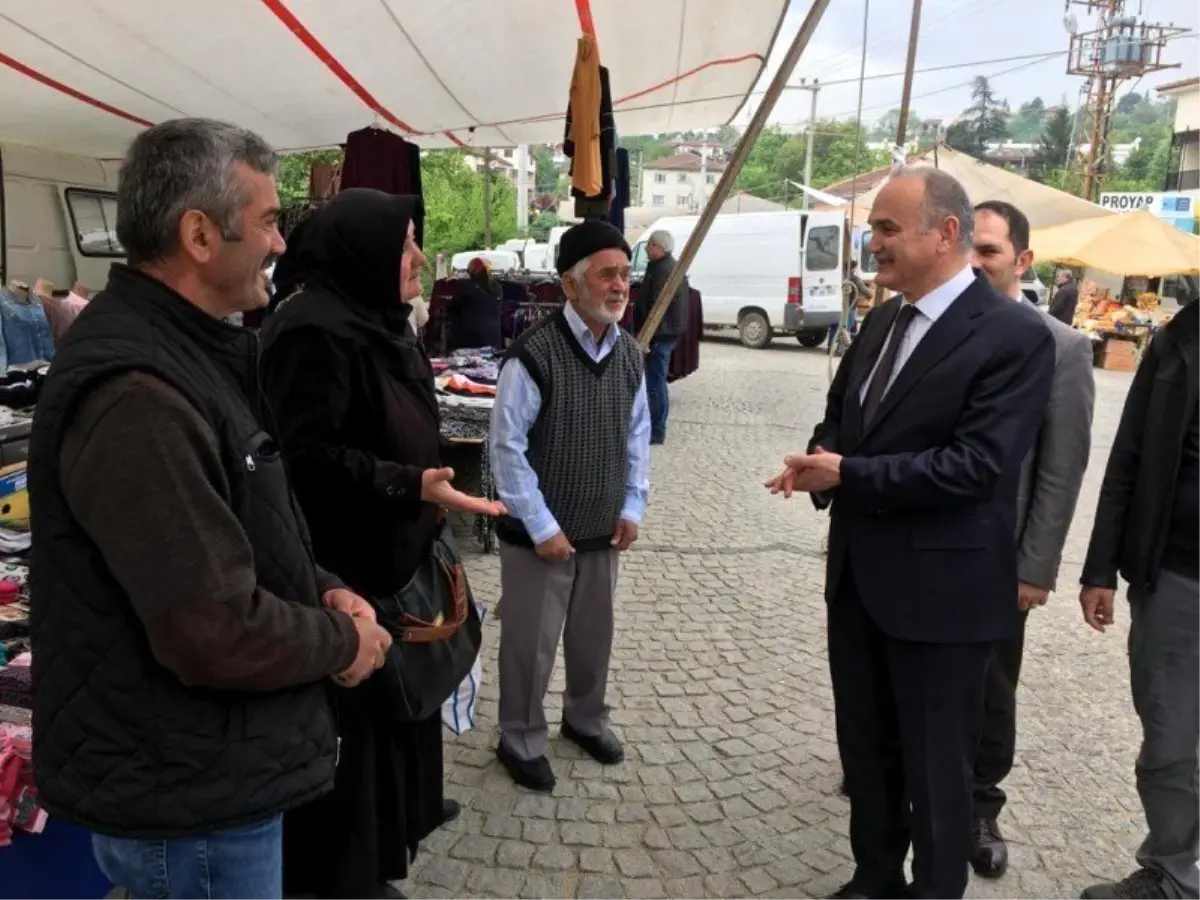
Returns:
<point x="436" y="488"/>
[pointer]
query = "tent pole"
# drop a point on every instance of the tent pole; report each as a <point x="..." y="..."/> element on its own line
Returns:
<point x="721" y="193"/>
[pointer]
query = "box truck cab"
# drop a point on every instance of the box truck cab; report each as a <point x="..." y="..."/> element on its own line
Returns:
<point x="765" y="274"/>
<point x="58" y="217"/>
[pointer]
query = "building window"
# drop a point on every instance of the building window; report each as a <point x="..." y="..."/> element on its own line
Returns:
<point x="682" y="178"/>
<point x="710" y="179"/>
<point x="658" y="200"/>
<point x="660" y="177"/>
<point x="682" y="200"/>
<point x="94" y="219"/>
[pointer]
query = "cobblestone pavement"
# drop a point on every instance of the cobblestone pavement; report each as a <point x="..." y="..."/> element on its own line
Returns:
<point x="720" y="690"/>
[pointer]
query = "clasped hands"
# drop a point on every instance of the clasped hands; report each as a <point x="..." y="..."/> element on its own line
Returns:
<point x="810" y="473"/>
<point x="373" y="641"/>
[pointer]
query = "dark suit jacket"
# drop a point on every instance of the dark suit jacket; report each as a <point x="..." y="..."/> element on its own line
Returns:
<point x="924" y="518"/>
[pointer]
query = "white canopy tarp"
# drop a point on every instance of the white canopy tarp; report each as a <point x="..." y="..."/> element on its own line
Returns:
<point x="85" y="77"/>
<point x="1045" y="206"/>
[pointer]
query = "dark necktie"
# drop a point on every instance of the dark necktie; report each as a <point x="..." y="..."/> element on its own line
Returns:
<point x="887" y="362"/>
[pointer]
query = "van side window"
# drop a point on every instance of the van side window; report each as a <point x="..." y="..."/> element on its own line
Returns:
<point x="821" y="251"/>
<point x="94" y="221"/>
<point x="639" y="258"/>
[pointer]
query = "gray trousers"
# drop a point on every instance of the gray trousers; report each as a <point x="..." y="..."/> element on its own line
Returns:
<point x="538" y="599"/>
<point x="1164" y="661"/>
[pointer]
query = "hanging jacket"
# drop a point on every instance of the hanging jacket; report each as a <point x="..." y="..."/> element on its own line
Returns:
<point x="583" y="120"/>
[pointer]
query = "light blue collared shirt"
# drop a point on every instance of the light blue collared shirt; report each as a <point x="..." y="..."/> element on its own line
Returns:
<point x="518" y="401"/>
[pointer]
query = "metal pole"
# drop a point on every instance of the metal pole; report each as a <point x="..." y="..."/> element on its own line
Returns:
<point x="487" y="198"/>
<point x="913" y="31"/>
<point x="812" y="136"/>
<point x="740" y="155"/>
<point x="523" y="190"/>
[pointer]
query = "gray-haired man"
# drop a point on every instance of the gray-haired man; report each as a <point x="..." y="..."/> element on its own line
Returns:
<point x="659" y="248"/>
<point x="182" y="635"/>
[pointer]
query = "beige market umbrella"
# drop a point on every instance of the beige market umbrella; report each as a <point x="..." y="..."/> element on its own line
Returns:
<point x="1136" y="243"/>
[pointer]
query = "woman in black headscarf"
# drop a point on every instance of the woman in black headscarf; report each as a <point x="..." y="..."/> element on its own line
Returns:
<point x="473" y="316"/>
<point x="352" y="394"/>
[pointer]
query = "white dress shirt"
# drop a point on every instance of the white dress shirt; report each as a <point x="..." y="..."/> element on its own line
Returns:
<point x="928" y="310"/>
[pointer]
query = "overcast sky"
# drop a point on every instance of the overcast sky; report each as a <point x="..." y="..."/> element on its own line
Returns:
<point x="952" y="32"/>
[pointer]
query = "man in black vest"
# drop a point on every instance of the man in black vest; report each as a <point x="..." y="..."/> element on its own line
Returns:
<point x="570" y="452"/>
<point x="182" y="635"/>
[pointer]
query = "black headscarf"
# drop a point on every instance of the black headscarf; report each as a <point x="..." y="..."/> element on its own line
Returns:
<point x="353" y="245"/>
<point x="347" y="255"/>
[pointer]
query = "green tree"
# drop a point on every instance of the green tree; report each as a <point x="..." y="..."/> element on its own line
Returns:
<point x="546" y="179"/>
<point x="983" y="121"/>
<point x="539" y="228"/>
<point x="1056" y="139"/>
<point x="1127" y="104"/>
<point x="453" y="192"/>
<point x="294" y="170"/>
<point x="778" y="158"/>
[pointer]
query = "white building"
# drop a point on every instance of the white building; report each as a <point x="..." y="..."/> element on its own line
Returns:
<point x="504" y="159"/>
<point x="1184" y="174"/>
<point x="680" y="182"/>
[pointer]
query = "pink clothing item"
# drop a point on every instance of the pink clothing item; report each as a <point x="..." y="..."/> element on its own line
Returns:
<point x="61" y="312"/>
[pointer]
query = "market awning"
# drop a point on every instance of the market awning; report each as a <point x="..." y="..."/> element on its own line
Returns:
<point x="1137" y="243"/>
<point x="85" y="77"/>
<point x="1045" y="206"/>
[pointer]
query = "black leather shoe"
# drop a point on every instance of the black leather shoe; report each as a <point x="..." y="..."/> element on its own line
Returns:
<point x="853" y="891"/>
<point x="604" y="747"/>
<point x="390" y="892"/>
<point x="989" y="852"/>
<point x="450" y="810"/>
<point x="1144" y="883"/>
<point x="534" y="774"/>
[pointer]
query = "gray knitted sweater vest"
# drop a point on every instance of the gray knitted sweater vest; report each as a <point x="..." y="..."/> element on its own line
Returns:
<point x="579" y="443"/>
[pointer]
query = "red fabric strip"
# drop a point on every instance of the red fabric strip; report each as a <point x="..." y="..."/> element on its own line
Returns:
<point x="309" y="40"/>
<point x="71" y="92"/>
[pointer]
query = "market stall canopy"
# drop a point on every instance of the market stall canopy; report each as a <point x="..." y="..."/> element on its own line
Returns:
<point x="1043" y="205"/>
<point x="1137" y="243"/>
<point x="86" y="77"/>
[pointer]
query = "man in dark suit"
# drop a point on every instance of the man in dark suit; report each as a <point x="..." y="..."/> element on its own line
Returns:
<point x="926" y="424"/>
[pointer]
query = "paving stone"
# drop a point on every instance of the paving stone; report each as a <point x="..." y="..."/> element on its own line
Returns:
<point x="677" y="863"/>
<point x="732" y="757"/>
<point x="554" y="858"/>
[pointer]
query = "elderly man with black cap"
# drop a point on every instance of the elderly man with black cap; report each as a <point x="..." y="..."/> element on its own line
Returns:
<point x="570" y="450"/>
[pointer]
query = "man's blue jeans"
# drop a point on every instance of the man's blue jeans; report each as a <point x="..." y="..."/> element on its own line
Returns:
<point x="244" y="862"/>
<point x="657" y="364"/>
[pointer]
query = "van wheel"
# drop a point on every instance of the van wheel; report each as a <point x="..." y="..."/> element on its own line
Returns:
<point x="754" y="330"/>
<point x="811" y="338"/>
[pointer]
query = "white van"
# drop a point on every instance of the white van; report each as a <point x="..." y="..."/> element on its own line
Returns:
<point x="765" y="273"/>
<point x="58" y="217"/>
<point x="501" y="260"/>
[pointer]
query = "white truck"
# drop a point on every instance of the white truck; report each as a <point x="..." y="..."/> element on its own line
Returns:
<point x="58" y="217"/>
<point x="765" y="274"/>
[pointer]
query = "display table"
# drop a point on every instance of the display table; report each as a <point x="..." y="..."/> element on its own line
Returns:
<point x="465" y="425"/>
<point x="56" y="863"/>
<point x="520" y="293"/>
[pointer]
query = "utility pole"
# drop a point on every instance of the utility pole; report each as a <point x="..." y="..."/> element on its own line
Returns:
<point x="487" y="198"/>
<point x="812" y="137"/>
<point x="523" y="190"/>
<point x="1118" y="49"/>
<point x="914" y="29"/>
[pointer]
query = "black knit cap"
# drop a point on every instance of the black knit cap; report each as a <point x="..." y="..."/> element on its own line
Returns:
<point x="588" y="237"/>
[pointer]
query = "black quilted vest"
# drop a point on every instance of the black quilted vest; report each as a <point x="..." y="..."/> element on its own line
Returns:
<point x="121" y="746"/>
